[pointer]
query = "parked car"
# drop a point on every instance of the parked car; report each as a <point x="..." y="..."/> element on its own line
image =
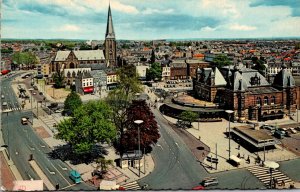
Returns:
<point x="210" y="181"/>
<point x="4" y="103"/>
<point x="2" y="96"/>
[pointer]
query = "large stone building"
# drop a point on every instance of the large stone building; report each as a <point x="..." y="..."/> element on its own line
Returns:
<point x="71" y="63"/>
<point x="247" y="92"/>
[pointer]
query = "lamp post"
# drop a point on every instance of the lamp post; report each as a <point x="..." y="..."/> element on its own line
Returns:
<point x="138" y="122"/>
<point x="229" y="112"/>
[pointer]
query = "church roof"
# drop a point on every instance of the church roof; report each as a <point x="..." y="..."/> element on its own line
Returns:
<point x="81" y="55"/>
<point x="110" y="33"/>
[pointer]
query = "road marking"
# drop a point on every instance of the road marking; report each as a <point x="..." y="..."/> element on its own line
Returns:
<point x="63" y="168"/>
<point x="158" y="145"/>
<point x="51" y="172"/>
<point x="176" y="144"/>
<point x="68" y="186"/>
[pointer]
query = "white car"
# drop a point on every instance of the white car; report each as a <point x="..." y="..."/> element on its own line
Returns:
<point x="4" y="104"/>
<point x="34" y="93"/>
<point x="2" y="96"/>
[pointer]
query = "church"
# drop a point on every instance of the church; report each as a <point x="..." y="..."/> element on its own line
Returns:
<point x="247" y="92"/>
<point x="74" y="62"/>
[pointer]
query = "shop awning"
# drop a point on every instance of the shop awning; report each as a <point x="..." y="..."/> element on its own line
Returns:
<point x="88" y="89"/>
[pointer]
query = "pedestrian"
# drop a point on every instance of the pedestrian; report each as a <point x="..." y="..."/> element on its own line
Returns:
<point x="239" y="147"/>
<point x="203" y="154"/>
<point x="238" y="155"/>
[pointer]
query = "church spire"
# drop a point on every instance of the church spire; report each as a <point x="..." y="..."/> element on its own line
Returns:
<point x="110" y="33"/>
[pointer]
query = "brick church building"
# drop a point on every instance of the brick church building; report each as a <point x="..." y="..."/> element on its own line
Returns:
<point x="247" y="92"/>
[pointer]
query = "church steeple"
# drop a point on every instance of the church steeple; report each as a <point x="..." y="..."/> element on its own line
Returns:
<point x="110" y="33"/>
<point x="110" y="42"/>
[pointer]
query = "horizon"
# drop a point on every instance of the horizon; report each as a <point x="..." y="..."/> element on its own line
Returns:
<point x="151" y="20"/>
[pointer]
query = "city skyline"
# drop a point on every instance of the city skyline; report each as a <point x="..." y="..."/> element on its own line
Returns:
<point x="74" y="19"/>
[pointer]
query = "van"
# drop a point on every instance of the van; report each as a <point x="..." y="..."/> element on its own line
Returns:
<point x="24" y="120"/>
<point x="75" y="176"/>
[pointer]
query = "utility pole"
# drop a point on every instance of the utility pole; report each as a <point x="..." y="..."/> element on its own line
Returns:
<point x="216" y="156"/>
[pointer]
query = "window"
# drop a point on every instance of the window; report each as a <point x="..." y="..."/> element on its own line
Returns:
<point x="273" y="100"/>
<point x="266" y="100"/>
<point x="83" y="84"/>
<point x="258" y="102"/>
<point x="91" y="83"/>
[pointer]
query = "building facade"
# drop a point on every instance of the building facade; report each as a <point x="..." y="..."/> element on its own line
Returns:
<point x="247" y="92"/>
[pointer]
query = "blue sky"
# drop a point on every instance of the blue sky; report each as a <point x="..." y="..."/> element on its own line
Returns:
<point x="150" y="19"/>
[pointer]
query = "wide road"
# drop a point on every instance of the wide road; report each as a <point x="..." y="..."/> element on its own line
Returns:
<point x="177" y="168"/>
<point x="23" y="141"/>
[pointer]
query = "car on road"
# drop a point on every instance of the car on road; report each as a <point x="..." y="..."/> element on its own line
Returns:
<point x="2" y="96"/>
<point x="75" y="176"/>
<point x="24" y="120"/>
<point x="40" y="93"/>
<point x="4" y="103"/>
<point x="210" y="181"/>
<point x="34" y="93"/>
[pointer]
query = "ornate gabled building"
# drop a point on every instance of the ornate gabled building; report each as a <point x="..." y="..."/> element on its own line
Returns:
<point x="247" y="92"/>
<point x="110" y="48"/>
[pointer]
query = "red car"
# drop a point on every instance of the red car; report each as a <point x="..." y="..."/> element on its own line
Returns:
<point x="200" y="187"/>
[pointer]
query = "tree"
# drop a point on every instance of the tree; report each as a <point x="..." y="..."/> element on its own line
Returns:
<point x="72" y="102"/>
<point x="154" y="72"/>
<point x="129" y="80"/>
<point x="188" y="116"/>
<point x="139" y="110"/>
<point x="103" y="164"/>
<point x="221" y="61"/>
<point x="152" y="59"/>
<point x="120" y="98"/>
<point x="58" y="79"/>
<point x="91" y="124"/>
<point x="25" y="58"/>
<point x="259" y="65"/>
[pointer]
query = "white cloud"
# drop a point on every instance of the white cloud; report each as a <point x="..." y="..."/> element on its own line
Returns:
<point x="223" y="7"/>
<point x="237" y="27"/>
<point x="123" y="8"/>
<point x="150" y="11"/>
<point x="69" y="27"/>
<point x="208" y="29"/>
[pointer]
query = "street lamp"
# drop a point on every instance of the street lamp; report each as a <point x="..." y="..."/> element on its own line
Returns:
<point x="229" y="112"/>
<point x="138" y="122"/>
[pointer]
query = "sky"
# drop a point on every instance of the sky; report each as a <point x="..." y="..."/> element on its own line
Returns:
<point x="150" y="19"/>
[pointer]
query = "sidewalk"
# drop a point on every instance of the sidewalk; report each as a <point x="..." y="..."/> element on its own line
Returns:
<point x="212" y="134"/>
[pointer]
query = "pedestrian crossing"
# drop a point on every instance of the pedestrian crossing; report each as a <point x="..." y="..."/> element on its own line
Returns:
<point x="131" y="186"/>
<point x="263" y="174"/>
<point x="11" y="109"/>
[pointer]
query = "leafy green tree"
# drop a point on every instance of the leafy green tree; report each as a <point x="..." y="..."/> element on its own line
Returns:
<point x="58" y="79"/>
<point x="25" y="58"/>
<point x="103" y="164"/>
<point x="259" y="65"/>
<point x="120" y="98"/>
<point x="188" y="116"/>
<point x="297" y="46"/>
<point x="72" y="102"/>
<point x="129" y="80"/>
<point x="154" y="72"/>
<point x="221" y="61"/>
<point x="91" y="124"/>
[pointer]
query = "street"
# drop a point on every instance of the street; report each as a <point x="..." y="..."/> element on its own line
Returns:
<point x="23" y="141"/>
